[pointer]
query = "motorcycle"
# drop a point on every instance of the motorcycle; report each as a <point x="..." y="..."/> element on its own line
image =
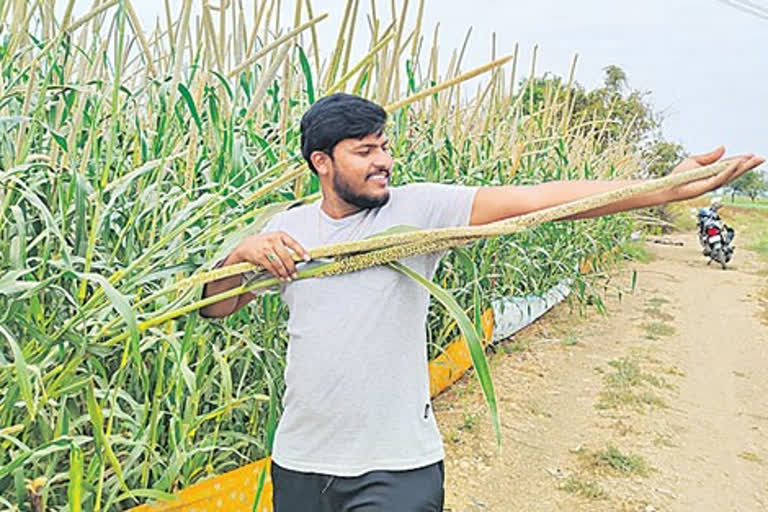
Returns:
<point x="715" y="236"/>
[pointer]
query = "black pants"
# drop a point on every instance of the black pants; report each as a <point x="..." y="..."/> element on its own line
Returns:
<point x="415" y="490"/>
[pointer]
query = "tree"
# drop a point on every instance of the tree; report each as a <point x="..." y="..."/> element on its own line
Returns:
<point x="751" y="184"/>
<point x="662" y="156"/>
<point x="622" y="113"/>
<point x="615" y="78"/>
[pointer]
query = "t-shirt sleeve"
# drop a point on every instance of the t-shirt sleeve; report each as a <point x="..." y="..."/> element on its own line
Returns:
<point x="273" y="224"/>
<point x="440" y="205"/>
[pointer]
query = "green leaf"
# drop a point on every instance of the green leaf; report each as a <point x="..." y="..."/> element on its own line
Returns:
<point x="411" y="78"/>
<point x="97" y="420"/>
<point x="19" y="487"/>
<point x="124" y="182"/>
<point x="223" y="409"/>
<point x="188" y="376"/>
<point x="60" y="443"/>
<point x="224" y="82"/>
<point x="10" y="283"/>
<point x="75" y="487"/>
<point x="122" y="305"/>
<point x="363" y="80"/>
<point x="271" y="414"/>
<point x="260" y="487"/>
<point x="307" y="75"/>
<point x="60" y="139"/>
<point x="471" y="269"/>
<point x="191" y="106"/>
<point x="474" y="343"/>
<point x="71" y="388"/>
<point x="314" y="183"/>
<point x="271" y="157"/>
<point x="23" y="378"/>
<point x="19" y="251"/>
<point x="47" y="216"/>
<point x="148" y="493"/>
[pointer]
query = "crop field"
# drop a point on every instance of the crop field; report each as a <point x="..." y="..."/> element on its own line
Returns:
<point x="132" y="159"/>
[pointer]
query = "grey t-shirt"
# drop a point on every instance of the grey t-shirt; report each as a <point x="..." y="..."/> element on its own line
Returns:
<point x="357" y="386"/>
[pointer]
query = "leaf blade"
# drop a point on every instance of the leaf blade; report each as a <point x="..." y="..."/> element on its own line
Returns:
<point x="474" y="343"/>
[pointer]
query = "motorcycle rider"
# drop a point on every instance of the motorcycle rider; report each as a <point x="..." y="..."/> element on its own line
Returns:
<point x="708" y="217"/>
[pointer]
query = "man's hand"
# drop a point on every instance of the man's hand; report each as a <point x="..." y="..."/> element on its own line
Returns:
<point x="274" y="251"/>
<point x="739" y="165"/>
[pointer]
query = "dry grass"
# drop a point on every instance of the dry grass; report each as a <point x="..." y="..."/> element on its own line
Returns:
<point x="629" y="387"/>
<point x="589" y="489"/>
<point x="612" y="461"/>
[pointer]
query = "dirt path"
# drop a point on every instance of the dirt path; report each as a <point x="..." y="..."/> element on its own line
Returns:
<point x="661" y="405"/>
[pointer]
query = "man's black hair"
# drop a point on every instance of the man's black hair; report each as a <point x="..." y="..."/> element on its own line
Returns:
<point x="335" y="118"/>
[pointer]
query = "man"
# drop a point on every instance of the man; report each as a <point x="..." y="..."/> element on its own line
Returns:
<point x="357" y="432"/>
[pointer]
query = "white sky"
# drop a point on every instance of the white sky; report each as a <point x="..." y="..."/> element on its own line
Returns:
<point x="706" y="63"/>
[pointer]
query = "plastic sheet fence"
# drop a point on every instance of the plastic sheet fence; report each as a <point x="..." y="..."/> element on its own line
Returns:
<point x="513" y="314"/>
<point x="236" y="490"/>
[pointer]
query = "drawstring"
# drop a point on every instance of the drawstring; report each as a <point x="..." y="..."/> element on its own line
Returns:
<point x="327" y="485"/>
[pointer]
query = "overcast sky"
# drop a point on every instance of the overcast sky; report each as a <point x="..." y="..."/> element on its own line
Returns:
<point x="705" y="62"/>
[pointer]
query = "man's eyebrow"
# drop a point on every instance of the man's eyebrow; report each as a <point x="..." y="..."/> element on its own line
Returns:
<point x="371" y="144"/>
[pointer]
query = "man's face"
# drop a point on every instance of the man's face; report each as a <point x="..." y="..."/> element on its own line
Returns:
<point x="361" y="169"/>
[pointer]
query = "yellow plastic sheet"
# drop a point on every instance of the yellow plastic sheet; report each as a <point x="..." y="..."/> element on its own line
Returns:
<point x="455" y="359"/>
<point x="234" y="491"/>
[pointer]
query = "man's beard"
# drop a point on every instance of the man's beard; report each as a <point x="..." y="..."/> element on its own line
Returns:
<point x="345" y="191"/>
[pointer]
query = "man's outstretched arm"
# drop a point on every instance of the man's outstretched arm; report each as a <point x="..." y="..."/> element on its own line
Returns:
<point x="497" y="203"/>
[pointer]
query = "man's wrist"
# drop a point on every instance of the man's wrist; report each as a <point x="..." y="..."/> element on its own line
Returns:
<point x="234" y="258"/>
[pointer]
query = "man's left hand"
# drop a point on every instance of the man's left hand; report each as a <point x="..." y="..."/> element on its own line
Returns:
<point x="739" y="165"/>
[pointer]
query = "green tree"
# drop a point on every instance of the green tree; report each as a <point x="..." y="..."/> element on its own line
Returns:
<point x="751" y="185"/>
<point x="623" y="116"/>
<point x="661" y="156"/>
<point x="615" y="78"/>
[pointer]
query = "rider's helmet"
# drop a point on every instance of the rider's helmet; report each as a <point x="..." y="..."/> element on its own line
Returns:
<point x="715" y="203"/>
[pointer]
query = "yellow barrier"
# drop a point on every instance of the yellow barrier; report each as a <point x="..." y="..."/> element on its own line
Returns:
<point x="235" y="490"/>
<point x="455" y="359"/>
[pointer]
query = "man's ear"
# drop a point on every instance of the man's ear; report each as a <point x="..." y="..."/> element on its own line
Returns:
<point x="321" y="161"/>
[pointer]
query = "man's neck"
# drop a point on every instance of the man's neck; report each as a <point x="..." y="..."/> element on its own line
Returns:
<point x="336" y="208"/>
